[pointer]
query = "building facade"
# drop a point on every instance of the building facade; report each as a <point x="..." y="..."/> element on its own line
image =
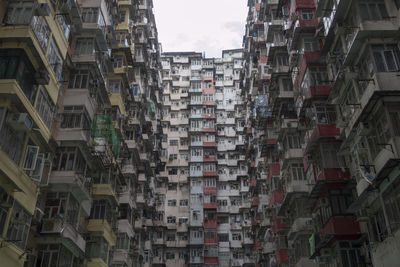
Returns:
<point x="80" y="124"/>
<point x="318" y="77"/>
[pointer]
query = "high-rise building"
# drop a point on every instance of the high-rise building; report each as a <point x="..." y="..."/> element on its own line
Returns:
<point x="320" y="80"/>
<point x="79" y="130"/>
<point x="282" y="153"/>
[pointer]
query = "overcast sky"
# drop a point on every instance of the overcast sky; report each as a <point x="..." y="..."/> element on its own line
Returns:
<point x="200" y="25"/>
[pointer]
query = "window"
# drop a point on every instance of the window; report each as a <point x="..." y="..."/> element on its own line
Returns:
<point x="123" y="241"/>
<point x="84" y="46"/>
<point x="307" y="14"/>
<point x="196" y="234"/>
<point x="298" y="172"/>
<point x="223" y="237"/>
<point x="41" y="31"/>
<point x="122" y="15"/>
<point x="45" y="107"/>
<point x="236" y="236"/>
<point x="7" y="201"/>
<point x="68" y="159"/>
<point x="14" y="64"/>
<point x="75" y="117"/>
<point x="48" y="254"/>
<point x="310" y="44"/>
<point x="30" y="157"/>
<point x="101" y="209"/>
<point x="170" y="255"/>
<point x="172" y="202"/>
<point x="97" y="247"/>
<point x="11" y="142"/>
<point x="210" y="234"/>
<point x="19" y="13"/>
<point x="119" y="61"/>
<point x="18" y="228"/>
<point x="55" y="59"/>
<point x="173" y="142"/>
<point x="372" y="9"/>
<point x="80" y="79"/>
<point x="90" y="15"/>
<point x="387" y="57"/>
<point x="171" y="219"/>
<point x="183" y="202"/>
<point x="115" y="86"/>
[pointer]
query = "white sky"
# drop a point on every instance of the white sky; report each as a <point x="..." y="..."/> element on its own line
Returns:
<point x="200" y="25"/>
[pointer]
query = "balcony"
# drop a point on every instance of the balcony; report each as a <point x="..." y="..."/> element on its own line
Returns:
<point x="209" y="190"/>
<point x="276" y="197"/>
<point x="122" y="256"/>
<point x="210" y="261"/>
<point x="209" y="158"/>
<point x="279" y="225"/>
<point x="210" y="223"/>
<point x="274" y="170"/>
<point x="320" y="131"/>
<point x="102" y="227"/>
<point x="59" y="227"/>
<point x="17" y="90"/>
<point x="341" y="226"/>
<point x="268" y="247"/>
<point x="329" y="176"/>
<point x="209" y="173"/>
<point x="104" y="190"/>
<point x="79" y="185"/>
<point x="210" y="206"/>
<point x="196" y="173"/>
<point x="300" y="225"/>
<point x="282" y="256"/>
<point x="196" y="260"/>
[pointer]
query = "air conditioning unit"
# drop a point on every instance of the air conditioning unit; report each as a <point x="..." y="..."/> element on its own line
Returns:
<point x="364" y="129"/>
<point x="43" y="10"/>
<point x="20" y="121"/>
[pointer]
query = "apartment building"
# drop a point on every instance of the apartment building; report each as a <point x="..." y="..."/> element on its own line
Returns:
<point x="320" y="80"/>
<point x="203" y="201"/>
<point x="80" y="124"/>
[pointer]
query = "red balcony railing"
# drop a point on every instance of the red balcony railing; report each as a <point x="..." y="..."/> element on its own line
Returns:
<point x="276" y="197"/>
<point x="278" y="225"/>
<point x="209" y="173"/>
<point x="282" y="256"/>
<point x="209" y="144"/>
<point x="255" y="201"/>
<point x="210" y="224"/>
<point x="210" y="261"/>
<point x="209" y="190"/>
<point x="208" y="130"/>
<point x="333" y="174"/>
<point x="341" y="226"/>
<point x="274" y="169"/>
<point x="253" y="183"/>
<point x="209" y="158"/>
<point x="210" y="206"/>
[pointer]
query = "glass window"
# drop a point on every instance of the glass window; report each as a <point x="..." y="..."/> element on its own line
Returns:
<point x="373" y="9"/>
<point x="55" y="59"/>
<point x="307" y="14"/>
<point x="41" y="31"/>
<point x="19" y="13"/>
<point x="19" y="226"/>
<point x="387" y="57"/>
<point x="90" y="15"/>
<point x="45" y="107"/>
<point x="84" y="46"/>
